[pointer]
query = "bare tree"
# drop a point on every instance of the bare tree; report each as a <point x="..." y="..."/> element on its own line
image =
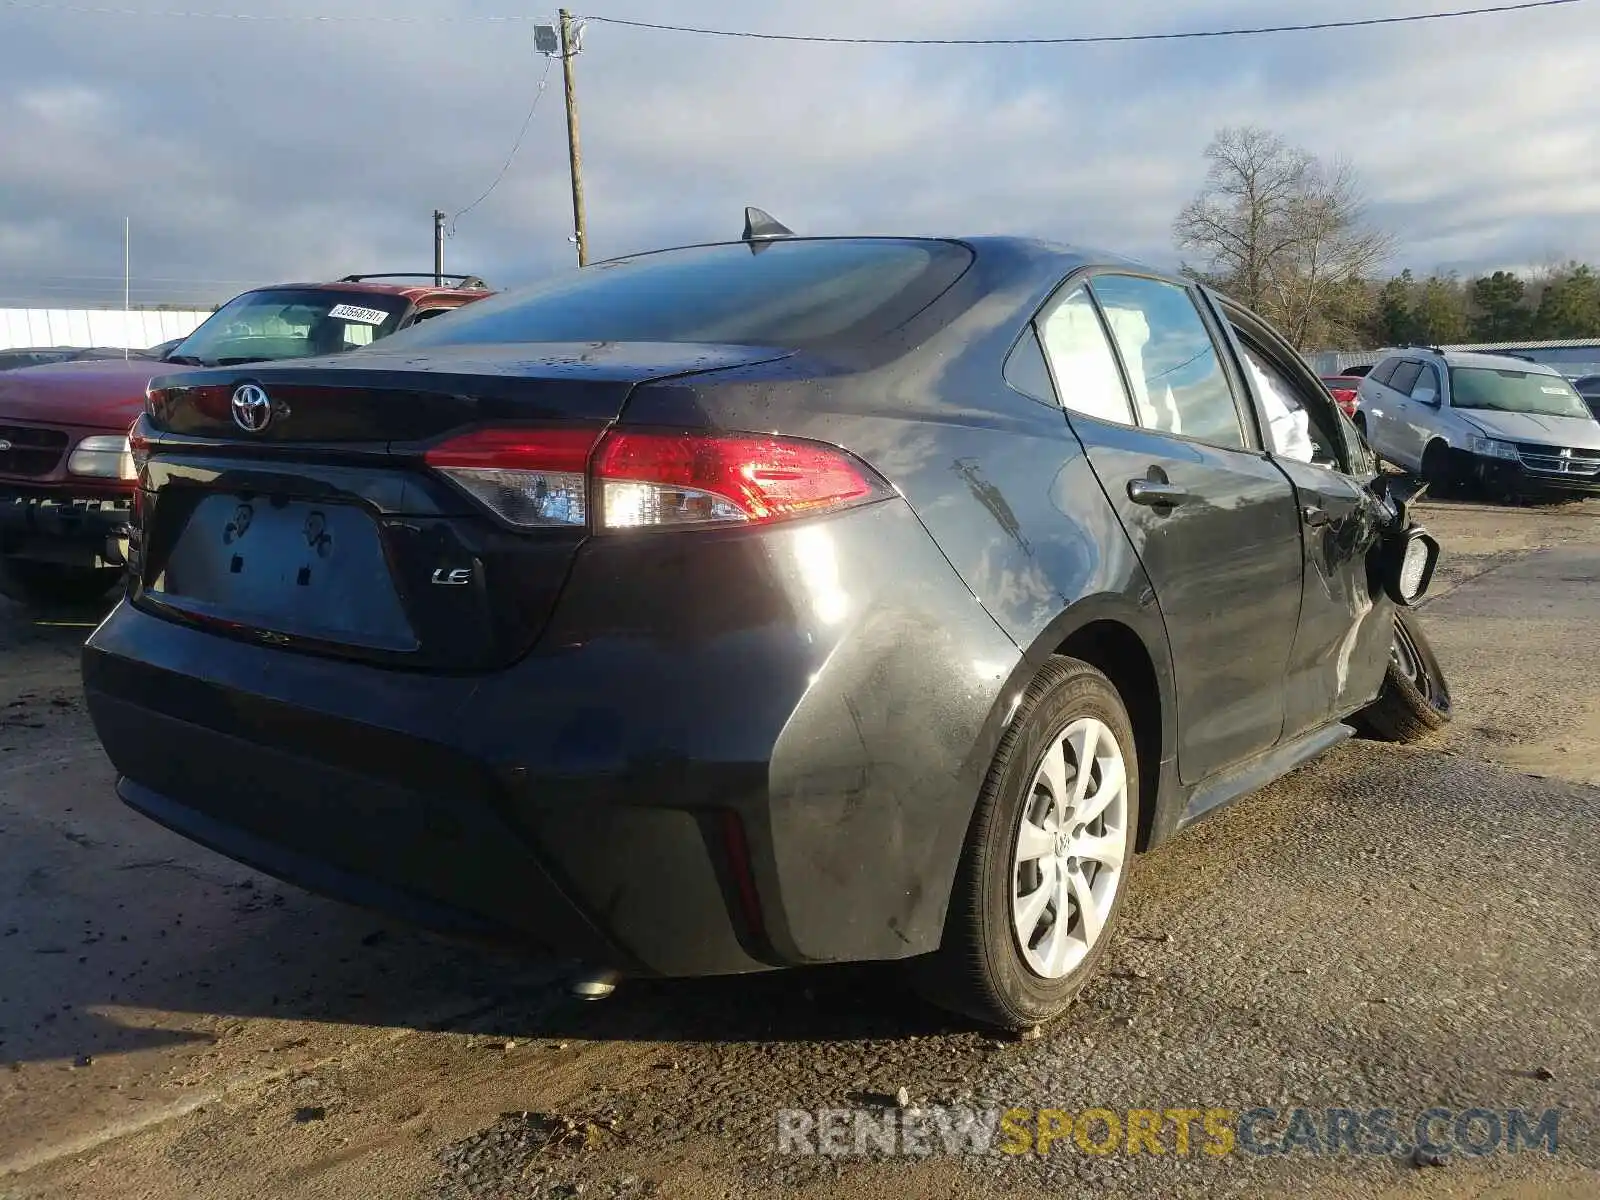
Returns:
<point x="1282" y="232"/>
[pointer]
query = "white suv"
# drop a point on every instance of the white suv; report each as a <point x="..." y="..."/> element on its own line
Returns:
<point x="1504" y="423"/>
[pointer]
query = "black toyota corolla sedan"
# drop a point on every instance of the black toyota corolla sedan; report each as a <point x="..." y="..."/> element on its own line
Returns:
<point x="751" y="605"/>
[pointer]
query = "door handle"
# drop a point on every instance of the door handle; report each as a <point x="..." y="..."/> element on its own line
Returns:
<point x="1155" y="493"/>
<point x="1315" y="517"/>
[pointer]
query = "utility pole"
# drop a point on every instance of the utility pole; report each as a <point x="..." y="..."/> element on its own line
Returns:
<point x="438" y="248"/>
<point x="127" y="284"/>
<point x="569" y="51"/>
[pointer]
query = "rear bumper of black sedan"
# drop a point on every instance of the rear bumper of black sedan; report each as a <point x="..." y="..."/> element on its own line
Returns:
<point x="767" y="757"/>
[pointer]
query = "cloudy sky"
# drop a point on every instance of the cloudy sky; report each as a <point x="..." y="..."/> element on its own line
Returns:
<point x="255" y="151"/>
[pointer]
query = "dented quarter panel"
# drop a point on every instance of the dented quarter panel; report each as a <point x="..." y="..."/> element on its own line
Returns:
<point x="853" y="766"/>
<point x="1024" y="549"/>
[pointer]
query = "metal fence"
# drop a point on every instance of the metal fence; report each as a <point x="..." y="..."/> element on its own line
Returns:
<point x="111" y="327"/>
<point x="1573" y="358"/>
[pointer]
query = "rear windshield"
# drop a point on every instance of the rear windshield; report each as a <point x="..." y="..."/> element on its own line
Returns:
<point x="783" y="293"/>
<point x="1514" y="391"/>
<point x="284" y="323"/>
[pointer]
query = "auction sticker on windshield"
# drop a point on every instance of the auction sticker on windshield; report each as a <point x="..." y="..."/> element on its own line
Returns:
<point x="354" y="312"/>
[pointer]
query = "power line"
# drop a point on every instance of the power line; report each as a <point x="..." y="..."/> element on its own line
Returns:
<point x="515" y="146"/>
<point x="43" y="6"/>
<point x="84" y="10"/>
<point x="1087" y="40"/>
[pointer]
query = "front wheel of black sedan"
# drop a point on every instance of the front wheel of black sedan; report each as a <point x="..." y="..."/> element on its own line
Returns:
<point x="1415" y="700"/>
<point x="1042" y="876"/>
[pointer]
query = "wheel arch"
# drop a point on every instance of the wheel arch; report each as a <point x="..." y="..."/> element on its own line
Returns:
<point x="1453" y="459"/>
<point x="1125" y="640"/>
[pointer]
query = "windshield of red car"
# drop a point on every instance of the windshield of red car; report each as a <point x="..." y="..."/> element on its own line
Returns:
<point x="1514" y="391"/>
<point x="281" y="323"/>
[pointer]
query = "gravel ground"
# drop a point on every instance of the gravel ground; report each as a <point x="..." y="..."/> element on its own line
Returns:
<point x="1388" y="928"/>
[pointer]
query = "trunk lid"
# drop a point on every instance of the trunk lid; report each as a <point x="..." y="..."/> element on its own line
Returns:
<point x="379" y="396"/>
<point x="321" y="527"/>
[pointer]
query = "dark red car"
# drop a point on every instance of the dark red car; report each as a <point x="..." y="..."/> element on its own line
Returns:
<point x="1344" y="391"/>
<point x="66" y="473"/>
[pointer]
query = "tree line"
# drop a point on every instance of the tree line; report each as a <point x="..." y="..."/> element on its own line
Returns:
<point x="1288" y="235"/>
<point x="1554" y="303"/>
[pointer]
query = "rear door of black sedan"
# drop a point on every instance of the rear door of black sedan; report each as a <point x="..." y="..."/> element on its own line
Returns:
<point x="1136" y="363"/>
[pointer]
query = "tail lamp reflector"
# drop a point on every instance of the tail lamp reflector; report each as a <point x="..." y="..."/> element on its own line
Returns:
<point x="529" y="477"/>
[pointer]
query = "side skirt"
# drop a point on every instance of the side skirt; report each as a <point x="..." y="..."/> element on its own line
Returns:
<point x="1223" y="789"/>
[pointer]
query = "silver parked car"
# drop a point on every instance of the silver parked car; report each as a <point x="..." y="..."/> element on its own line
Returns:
<point x="1500" y="423"/>
<point x="1589" y="388"/>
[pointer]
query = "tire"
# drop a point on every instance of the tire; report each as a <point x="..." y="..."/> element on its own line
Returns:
<point x="47" y="584"/>
<point x="1437" y="470"/>
<point x="1415" y="700"/>
<point x="984" y="969"/>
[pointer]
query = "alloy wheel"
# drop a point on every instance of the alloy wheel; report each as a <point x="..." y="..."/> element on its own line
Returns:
<point x="1070" y="846"/>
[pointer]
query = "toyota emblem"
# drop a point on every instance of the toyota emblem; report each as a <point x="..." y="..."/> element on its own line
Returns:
<point x="4" y="445"/>
<point x="252" y="411"/>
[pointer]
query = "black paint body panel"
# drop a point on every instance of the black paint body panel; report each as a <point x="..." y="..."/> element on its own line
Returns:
<point x="830" y="681"/>
<point x="563" y="755"/>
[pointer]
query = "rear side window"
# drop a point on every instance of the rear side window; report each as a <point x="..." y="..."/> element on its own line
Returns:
<point x="1382" y="372"/>
<point x="1081" y="360"/>
<point x="783" y="293"/>
<point x="1179" y="385"/>
<point x="1025" y="370"/>
<point x="1405" y="377"/>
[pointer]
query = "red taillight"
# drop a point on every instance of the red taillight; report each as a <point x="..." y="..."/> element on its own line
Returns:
<point x="138" y="447"/>
<point x="654" y="480"/>
<point x="139" y="453"/>
<point x="564" y="450"/>
<point x="663" y="480"/>
<point x="530" y="477"/>
<point x="738" y="850"/>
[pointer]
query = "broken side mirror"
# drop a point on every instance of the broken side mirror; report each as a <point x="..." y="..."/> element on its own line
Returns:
<point x="1396" y="494"/>
<point x="1409" y="561"/>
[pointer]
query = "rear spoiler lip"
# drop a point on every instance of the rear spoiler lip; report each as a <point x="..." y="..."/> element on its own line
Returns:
<point x="445" y="369"/>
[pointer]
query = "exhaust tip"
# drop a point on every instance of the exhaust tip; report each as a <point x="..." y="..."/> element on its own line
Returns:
<point x="593" y="985"/>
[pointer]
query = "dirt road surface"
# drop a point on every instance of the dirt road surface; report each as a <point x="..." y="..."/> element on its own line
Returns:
<point x="1390" y="927"/>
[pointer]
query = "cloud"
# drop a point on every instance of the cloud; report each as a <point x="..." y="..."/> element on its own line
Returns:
<point x="247" y="152"/>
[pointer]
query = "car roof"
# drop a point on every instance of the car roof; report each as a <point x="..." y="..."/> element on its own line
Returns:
<point x="1038" y="260"/>
<point x="1461" y="358"/>
<point x="410" y="291"/>
<point x="1465" y="358"/>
